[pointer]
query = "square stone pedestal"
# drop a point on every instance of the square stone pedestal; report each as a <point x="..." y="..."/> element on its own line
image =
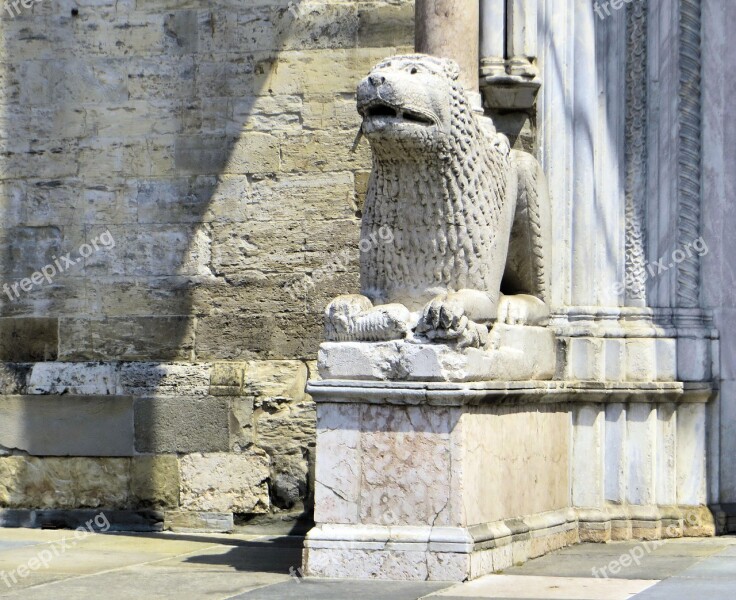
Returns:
<point x="419" y="480"/>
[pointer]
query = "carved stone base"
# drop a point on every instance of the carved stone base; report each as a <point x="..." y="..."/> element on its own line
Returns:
<point x="514" y="353"/>
<point x="460" y="553"/>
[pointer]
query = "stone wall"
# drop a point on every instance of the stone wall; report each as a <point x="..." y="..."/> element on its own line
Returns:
<point x="192" y="161"/>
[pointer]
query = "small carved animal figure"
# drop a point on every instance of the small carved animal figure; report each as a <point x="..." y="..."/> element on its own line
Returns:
<point x="469" y="216"/>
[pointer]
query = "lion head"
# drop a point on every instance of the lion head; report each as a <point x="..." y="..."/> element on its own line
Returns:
<point x="407" y="102"/>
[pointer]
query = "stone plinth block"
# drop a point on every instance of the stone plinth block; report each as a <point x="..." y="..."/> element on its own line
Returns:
<point x="411" y="491"/>
<point x="513" y="353"/>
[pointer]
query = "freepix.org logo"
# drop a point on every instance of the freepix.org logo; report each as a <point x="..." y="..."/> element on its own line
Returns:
<point x="59" y="265"/>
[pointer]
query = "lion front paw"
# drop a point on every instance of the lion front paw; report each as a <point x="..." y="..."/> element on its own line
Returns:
<point x="444" y="320"/>
<point x="354" y="319"/>
<point x="522" y="309"/>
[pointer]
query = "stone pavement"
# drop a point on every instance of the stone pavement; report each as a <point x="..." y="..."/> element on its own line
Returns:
<point x="52" y="564"/>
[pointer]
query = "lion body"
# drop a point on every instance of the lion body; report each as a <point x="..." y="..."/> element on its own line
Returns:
<point x="464" y="210"/>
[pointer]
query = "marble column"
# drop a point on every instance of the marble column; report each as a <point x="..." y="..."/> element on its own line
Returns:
<point x="493" y="38"/>
<point x="450" y="28"/>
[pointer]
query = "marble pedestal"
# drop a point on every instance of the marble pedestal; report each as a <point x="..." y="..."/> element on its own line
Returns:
<point x="451" y="480"/>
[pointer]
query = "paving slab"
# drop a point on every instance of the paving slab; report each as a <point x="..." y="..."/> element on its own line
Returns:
<point x="150" y="583"/>
<point x="551" y="588"/>
<point x="689" y="589"/>
<point x="605" y="566"/>
<point x="327" y="589"/>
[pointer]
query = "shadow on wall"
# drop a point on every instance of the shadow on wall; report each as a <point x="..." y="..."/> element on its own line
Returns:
<point x="169" y="168"/>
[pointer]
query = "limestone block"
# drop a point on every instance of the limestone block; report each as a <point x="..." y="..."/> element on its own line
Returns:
<point x="287" y="435"/>
<point x="640" y="360"/>
<point x="306" y="71"/>
<point x="29" y="339"/>
<point x="165" y="77"/>
<point x="228" y="374"/>
<point x="338" y="465"/>
<point x="200" y="154"/>
<point x="614" y="355"/>
<point x="277" y="246"/>
<point x="138" y="338"/>
<point x="180" y="521"/>
<point x="585" y="359"/>
<point x="28" y="249"/>
<point x="152" y="250"/>
<point x="323" y="151"/>
<point x="641" y="436"/>
<point x="154" y="481"/>
<point x="242" y="427"/>
<point x="665" y="356"/>
<point x="515" y="353"/>
<point x="525" y="447"/>
<point x="73" y="378"/>
<point x="266" y="114"/>
<point x="666" y="454"/>
<point x="132" y="118"/>
<point x="228" y="337"/>
<point x="182" y="424"/>
<point x="254" y="152"/>
<point x="587" y="455"/>
<point x="174" y="200"/>
<point x="64" y="483"/>
<point x="386" y="25"/>
<point x="225" y="482"/>
<point x="693" y="359"/>
<point x="263" y="293"/>
<point x="137" y="297"/>
<point x="615" y="455"/>
<point x="306" y="197"/>
<point x="164" y="379"/>
<point x="14" y="378"/>
<point x="275" y="382"/>
<point x="691" y="455"/>
<point x="318" y="25"/>
<point x="67" y="425"/>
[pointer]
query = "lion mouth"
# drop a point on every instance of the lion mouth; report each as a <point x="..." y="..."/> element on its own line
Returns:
<point x="381" y="110"/>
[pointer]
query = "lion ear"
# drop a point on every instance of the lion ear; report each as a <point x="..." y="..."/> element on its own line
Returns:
<point x="452" y="69"/>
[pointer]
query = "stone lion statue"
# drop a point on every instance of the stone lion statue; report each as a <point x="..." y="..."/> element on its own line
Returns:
<point x="469" y="216"/>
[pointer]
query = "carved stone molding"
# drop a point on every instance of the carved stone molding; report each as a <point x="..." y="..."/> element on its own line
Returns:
<point x="689" y="153"/>
<point x="636" y="152"/>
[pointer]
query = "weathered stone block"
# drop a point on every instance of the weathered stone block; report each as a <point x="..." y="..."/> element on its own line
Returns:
<point x="73" y="378"/>
<point x="133" y="338"/>
<point x="154" y="480"/>
<point x="164" y="379"/>
<point x="67" y="425"/>
<point x="225" y="482"/>
<point x="181" y="424"/>
<point x="180" y="521"/>
<point x="14" y="378"/>
<point x="275" y="382"/>
<point x="254" y="152"/>
<point x="288" y="436"/>
<point x="242" y="432"/>
<point x="28" y="339"/>
<point x="225" y="337"/>
<point x="30" y="482"/>
<point x="228" y="374"/>
<point x="386" y="25"/>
